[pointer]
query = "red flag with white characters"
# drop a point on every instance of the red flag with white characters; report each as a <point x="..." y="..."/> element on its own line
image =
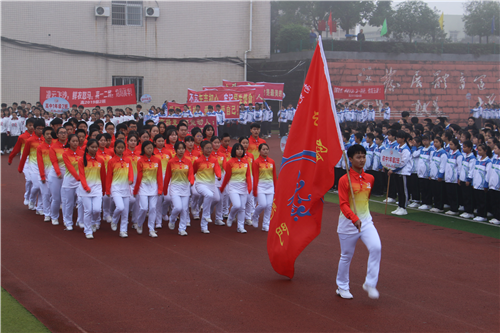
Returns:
<point x="313" y="148"/>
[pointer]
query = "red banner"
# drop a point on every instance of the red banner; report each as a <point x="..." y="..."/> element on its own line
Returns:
<point x="272" y="91"/>
<point x="359" y="92"/>
<point x="259" y="90"/>
<point x="90" y="97"/>
<point x="192" y="122"/>
<point x="231" y="108"/>
<point x="244" y="97"/>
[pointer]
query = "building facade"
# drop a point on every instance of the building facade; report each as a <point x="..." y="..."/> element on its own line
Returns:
<point x="161" y="46"/>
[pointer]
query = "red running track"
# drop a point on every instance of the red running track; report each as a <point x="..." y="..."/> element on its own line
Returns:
<point x="432" y="279"/>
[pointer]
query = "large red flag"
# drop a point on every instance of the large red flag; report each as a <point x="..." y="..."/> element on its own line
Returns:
<point x="312" y="150"/>
<point x="330" y="23"/>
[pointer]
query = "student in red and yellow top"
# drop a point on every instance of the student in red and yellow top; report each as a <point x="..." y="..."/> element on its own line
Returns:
<point x="110" y="129"/>
<point x="357" y="226"/>
<point x="44" y="166"/>
<point x="208" y="132"/>
<point x="19" y="148"/>
<point x="250" y="206"/>
<point x="143" y="137"/>
<point x="164" y="156"/>
<point x="71" y="181"/>
<point x="182" y="130"/>
<point x="206" y="168"/>
<point x="254" y="140"/>
<point x="149" y="186"/>
<point x="133" y="152"/>
<point x="82" y="141"/>
<point x="171" y="139"/>
<point x="239" y="184"/>
<point x="30" y="169"/>
<point x="56" y="174"/>
<point x="192" y="154"/>
<point x="224" y="148"/>
<point x="221" y="159"/>
<point x="104" y="153"/>
<point x="264" y="184"/>
<point x="119" y="177"/>
<point x="178" y="180"/>
<point x="92" y="174"/>
<point x="198" y="138"/>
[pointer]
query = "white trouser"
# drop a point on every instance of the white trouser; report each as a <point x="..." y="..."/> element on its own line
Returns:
<point x="238" y="202"/>
<point x="35" y="191"/>
<point x="55" y="184"/>
<point x="181" y="206"/>
<point x="134" y="208"/>
<point x="265" y="204"/>
<point x="225" y="202"/>
<point x="147" y="205"/>
<point x="195" y="201"/>
<point x="45" y="191"/>
<point x="28" y="185"/>
<point x="68" y="205"/>
<point x="167" y="202"/>
<point x="250" y="206"/>
<point x="81" y="212"/>
<point x="121" y="212"/>
<point x="159" y="210"/>
<point x="370" y="238"/>
<point x="210" y="196"/>
<point x="91" y="212"/>
<point x="106" y="206"/>
<point x="218" y="206"/>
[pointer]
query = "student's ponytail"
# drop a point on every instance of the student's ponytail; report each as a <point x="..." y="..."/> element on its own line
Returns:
<point x="457" y="144"/>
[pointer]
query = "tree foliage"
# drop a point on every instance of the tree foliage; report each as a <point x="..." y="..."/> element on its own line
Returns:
<point x="350" y="13"/>
<point x="415" y="19"/>
<point x="291" y="33"/>
<point x="478" y="17"/>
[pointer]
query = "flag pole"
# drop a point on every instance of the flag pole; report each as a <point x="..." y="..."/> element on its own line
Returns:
<point x="350" y="184"/>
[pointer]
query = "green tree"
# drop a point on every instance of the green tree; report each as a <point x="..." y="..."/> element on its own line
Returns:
<point x="382" y="12"/>
<point x="478" y="16"/>
<point x="350" y="13"/>
<point x="415" y="19"/>
<point x="292" y="33"/>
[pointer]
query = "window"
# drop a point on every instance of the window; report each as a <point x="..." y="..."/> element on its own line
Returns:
<point x="137" y="80"/>
<point x="126" y="13"/>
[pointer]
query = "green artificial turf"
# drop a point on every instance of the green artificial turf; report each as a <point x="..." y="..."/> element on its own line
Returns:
<point x="15" y="318"/>
<point x="441" y="220"/>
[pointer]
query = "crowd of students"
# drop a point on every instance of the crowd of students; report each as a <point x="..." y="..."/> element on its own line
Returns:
<point x="133" y="171"/>
<point x="443" y="166"/>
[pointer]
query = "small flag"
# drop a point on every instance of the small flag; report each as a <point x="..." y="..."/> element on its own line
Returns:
<point x="441" y="20"/>
<point x="384" y="28"/>
<point x="493" y="25"/>
<point x="312" y="150"/>
<point x="330" y="23"/>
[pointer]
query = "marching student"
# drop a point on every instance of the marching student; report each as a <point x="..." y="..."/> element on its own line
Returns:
<point x="170" y="140"/>
<point x="221" y="159"/>
<point x="239" y="185"/>
<point x="133" y="153"/>
<point x="264" y="184"/>
<point x="119" y="178"/>
<point x="208" y="132"/>
<point x="206" y="168"/>
<point x="480" y="179"/>
<point x="192" y="155"/>
<point x="423" y="172"/>
<point x="71" y="181"/>
<point x="352" y="227"/>
<point x="250" y="205"/>
<point x="149" y="186"/>
<point x="56" y="174"/>
<point x="44" y="167"/>
<point x="494" y="185"/>
<point x="402" y="173"/>
<point x="163" y="201"/>
<point x="178" y="180"/>
<point x="106" y="155"/>
<point x="465" y="178"/>
<point x="93" y="179"/>
<point x="439" y="159"/>
<point x="452" y="171"/>
<point x="254" y="141"/>
<point x="225" y="150"/>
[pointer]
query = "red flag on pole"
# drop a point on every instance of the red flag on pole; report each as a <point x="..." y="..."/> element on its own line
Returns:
<point x="313" y="148"/>
<point x="330" y="23"/>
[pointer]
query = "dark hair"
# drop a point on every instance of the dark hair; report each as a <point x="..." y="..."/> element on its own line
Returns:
<point x="355" y="149"/>
<point x="262" y="145"/>
<point x="158" y="136"/>
<point x="392" y="132"/>
<point x="169" y="133"/>
<point x="188" y="138"/>
<point x="235" y="148"/>
<point x="253" y="125"/>
<point x="178" y="144"/>
<point x="470" y="145"/>
<point x="59" y="129"/>
<point x="480" y="137"/>
<point x="182" y="123"/>
<point x="89" y="143"/>
<point x="456" y="143"/>
<point x="213" y="138"/>
<point x="120" y="133"/>
<point x="380" y="137"/>
<point x="56" y="121"/>
<point x="486" y="148"/>
<point x="439" y="139"/>
<point x="109" y="124"/>
<point x="226" y="135"/>
<point x="46" y="129"/>
<point x="132" y="135"/>
<point x="99" y="136"/>
<point x="195" y="131"/>
<point x="243" y="138"/>
<point x="118" y="142"/>
<point x="204" y="143"/>
<point x="69" y="139"/>
<point x="144" y="145"/>
<point x="370" y="136"/>
<point x="448" y="135"/>
<point x="359" y="136"/>
<point x="39" y="123"/>
<point x="206" y="128"/>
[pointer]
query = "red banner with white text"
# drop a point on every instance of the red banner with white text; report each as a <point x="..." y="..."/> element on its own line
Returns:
<point x="230" y="108"/>
<point x="192" y="122"/>
<point x="360" y="92"/>
<point x="90" y="97"/>
<point x="259" y="90"/>
<point x="245" y="97"/>
<point x="272" y="91"/>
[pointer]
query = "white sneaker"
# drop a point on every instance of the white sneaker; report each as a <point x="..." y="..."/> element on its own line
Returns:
<point x="255" y="224"/>
<point x="108" y="219"/>
<point x="467" y="215"/>
<point x="31" y="206"/>
<point x="183" y="233"/>
<point x="389" y="200"/>
<point x="479" y="219"/>
<point x="424" y="207"/>
<point x="265" y="229"/>
<point x="81" y="225"/>
<point x="219" y="222"/>
<point x="139" y="230"/>
<point x="89" y="236"/>
<point x="69" y="228"/>
<point x="396" y="211"/>
<point x="94" y="228"/>
<point x="464" y="214"/>
<point x="413" y="205"/>
<point x="494" y="221"/>
<point x="158" y="226"/>
<point x="46" y="219"/>
<point x="209" y="220"/>
<point x="165" y="217"/>
<point x="344" y="293"/>
<point x="171" y="225"/>
<point x="401" y="211"/>
<point x="188" y="224"/>
<point x="114" y="226"/>
<point x="153" y="234"/>
<point x="26" y="202"/>
<point x="196" y="217"/>
<point x="229" y="222"/>
<point x="372" y="291"/>
<point x="445" y="206"/>
<point x="205" y="231"/>
<point x="248" y="222"/>
<point x="134" y="225"/>
<point x="39" y="212"/>
<point x="451" y="213"/>
<point x="489" y="214"/>
<point x="241" y="231"/>
<point x="436" y="210"/>
<point x="55" y="222"/>
<point x="461" y="208"/>
<point x="123" y="234"/>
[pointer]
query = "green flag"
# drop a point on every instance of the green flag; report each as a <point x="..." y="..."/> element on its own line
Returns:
<point x="384" y="28"/>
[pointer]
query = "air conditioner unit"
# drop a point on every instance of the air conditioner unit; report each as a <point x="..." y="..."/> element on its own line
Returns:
<point x="152" y="12"/>
<point x="101" y="11"/>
